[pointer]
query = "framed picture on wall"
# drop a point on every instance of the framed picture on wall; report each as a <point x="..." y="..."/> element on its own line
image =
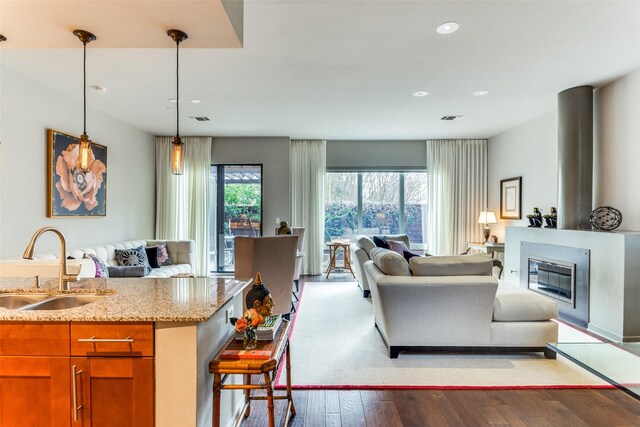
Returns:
<point x="71" y="192"/>
<point x="511" y="198"/>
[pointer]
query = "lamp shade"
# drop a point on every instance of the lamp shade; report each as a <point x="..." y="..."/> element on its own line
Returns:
<point x="487" y="218"/>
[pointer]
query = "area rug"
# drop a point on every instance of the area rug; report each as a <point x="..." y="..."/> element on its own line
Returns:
<point x="335" y="345"/>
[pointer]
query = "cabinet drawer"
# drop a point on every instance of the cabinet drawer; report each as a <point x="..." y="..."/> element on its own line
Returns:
<point x="34" y="339"/>
<point x="111" y="339"/>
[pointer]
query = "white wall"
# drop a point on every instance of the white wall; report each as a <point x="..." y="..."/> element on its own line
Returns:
<point x="617" y="148"/>
<point x="273" y="154"/>
<point x="529" y="150"/>
<point x="28" y="110"/>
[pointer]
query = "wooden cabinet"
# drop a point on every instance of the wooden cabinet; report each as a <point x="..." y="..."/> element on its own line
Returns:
<point x="34" y="391"/>
<point x="76" y="374"/>
<point x="113" y="392"/>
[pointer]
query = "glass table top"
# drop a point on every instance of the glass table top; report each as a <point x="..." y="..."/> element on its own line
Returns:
<point x="618" y="364"/>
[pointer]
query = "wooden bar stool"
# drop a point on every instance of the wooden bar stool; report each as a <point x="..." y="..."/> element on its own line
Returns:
<point x="222" y="368"/>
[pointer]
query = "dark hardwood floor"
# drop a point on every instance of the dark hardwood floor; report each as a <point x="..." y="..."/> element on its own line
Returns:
<point x="442" y="408"/>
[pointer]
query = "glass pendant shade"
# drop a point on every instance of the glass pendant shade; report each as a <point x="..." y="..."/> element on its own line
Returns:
<point x="177" y="156"/>
<point x="84" y="155"/>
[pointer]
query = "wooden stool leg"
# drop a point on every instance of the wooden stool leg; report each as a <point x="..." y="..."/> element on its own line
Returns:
<point x="267" y="384"/>
<point x="247" y="395"/>
<point x="289" y="395"/>
<point x="217" y="387"/>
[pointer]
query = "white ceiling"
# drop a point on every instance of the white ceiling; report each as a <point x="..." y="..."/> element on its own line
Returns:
<point x="347" y="69"/>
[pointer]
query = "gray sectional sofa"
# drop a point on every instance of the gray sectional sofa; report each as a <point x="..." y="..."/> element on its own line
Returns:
<point x="455" y="304"/>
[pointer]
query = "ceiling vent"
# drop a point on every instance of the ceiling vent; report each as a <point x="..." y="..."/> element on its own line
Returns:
<point x="200" y="118"/>
<point x="449" y="117"/>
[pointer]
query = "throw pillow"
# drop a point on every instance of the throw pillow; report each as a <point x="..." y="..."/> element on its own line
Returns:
<point x="397" y="246"/>
<point x="389" y="262"/>
<point x="408" y="255"/>
<point x="101" y="267"/>
<point x="152" y="255"/>
<point x="381" y="242"/>
<point x="163" y="255"/>
<point x="126" y="271"/>
<point x="133" y="257"/>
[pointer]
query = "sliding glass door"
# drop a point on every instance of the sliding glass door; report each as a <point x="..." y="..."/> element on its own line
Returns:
<point x="236" y="210"/>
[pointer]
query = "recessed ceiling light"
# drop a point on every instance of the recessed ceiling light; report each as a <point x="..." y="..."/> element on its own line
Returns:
<point x="420" y="93"/>
<point x="173" y="100"/>
<point x="99" y="89"/>
<point x="195" y="101"/>
<point x="481" y="93"/>
<point x="448" y="28"/>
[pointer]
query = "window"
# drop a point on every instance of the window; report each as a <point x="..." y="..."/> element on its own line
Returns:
<point x="376" y="203"/>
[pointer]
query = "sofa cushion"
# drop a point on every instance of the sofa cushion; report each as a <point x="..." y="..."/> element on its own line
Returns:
<point x="390" y="262"/>
<point x="133" y="257"/>
<point x="521" y="305"/>
<point x="453" y="265"/>
<point x="365" y="243"/>
<point x="126" y="271"/>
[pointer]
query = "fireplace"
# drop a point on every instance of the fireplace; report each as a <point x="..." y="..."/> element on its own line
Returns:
<point x="560" y="273"/>
<point x="555" y="279"/>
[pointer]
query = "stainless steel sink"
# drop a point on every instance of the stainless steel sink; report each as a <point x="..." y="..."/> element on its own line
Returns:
<point x="14" y="301"/>
<point x="63" y="302"/>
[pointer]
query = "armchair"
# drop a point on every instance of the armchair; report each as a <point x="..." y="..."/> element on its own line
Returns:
<point x="274" y="258"/>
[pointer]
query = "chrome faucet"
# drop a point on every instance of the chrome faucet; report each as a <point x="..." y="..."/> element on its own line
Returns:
<point x="63" y="277"/>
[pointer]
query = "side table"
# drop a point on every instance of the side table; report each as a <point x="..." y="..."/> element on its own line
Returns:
<point x="491" y="249"/>
<point x="346" y="253"/>
<point x="222" y="368"/>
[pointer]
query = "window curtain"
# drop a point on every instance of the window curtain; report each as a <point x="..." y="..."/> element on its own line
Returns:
<point x="182" y="201"/>
<point x="457" y="193"/>
<point x="307" y="164"/>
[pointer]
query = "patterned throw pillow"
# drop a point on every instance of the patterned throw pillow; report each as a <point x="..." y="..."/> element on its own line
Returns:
<point x="132" y="257"/>
<point x="163" y="255"/>
<point x="101" y="267"/>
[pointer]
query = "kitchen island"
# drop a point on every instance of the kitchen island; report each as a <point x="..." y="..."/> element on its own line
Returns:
<point x="187" y="320"/>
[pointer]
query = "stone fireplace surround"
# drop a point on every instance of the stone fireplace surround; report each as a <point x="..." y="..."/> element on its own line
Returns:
<point x="614" y="300"/>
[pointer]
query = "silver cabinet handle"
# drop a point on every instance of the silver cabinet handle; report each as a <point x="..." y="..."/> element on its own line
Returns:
<point x="94" y="339"/>
<point x="76" y="407"/>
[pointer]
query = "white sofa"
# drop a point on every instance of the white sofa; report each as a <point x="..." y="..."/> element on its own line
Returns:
<point x="360" y="249"/>
<point x="181" y="252"/>
<point x="457" y="312"/>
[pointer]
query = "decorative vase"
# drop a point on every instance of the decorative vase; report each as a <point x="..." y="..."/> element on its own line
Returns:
<point x="249" y="342"/>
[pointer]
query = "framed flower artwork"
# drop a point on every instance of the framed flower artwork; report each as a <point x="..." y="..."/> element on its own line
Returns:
<point x="71" y="192"/>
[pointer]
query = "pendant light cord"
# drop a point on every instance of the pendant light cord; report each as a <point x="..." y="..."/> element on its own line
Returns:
<point x="177" y="88"/>
<point x="84" y="81"/>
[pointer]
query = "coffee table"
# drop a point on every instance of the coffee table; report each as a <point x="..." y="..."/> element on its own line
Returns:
<point x="618" y="364"/>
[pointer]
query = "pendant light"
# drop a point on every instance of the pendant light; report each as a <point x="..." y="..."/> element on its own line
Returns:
<point x="84" y="155"/>
<point x="177" y="146"/>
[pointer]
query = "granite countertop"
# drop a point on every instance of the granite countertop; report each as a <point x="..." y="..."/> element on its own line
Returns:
<point x="131" y="299"/>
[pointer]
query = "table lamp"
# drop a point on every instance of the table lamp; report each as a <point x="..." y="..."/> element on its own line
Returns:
<point x="487" y="218"/>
